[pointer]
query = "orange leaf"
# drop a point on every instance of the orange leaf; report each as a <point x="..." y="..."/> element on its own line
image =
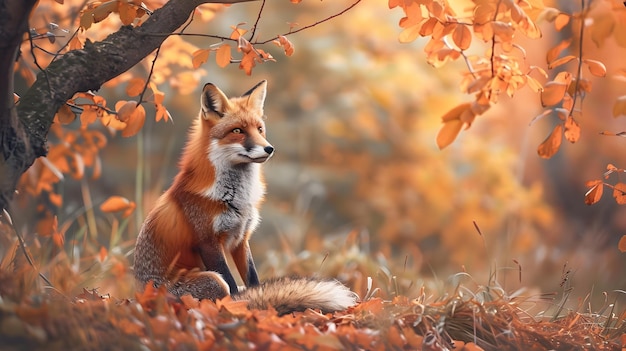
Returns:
<point x="619" y="108"/>
<point x="286" y="44"/>
<point x="125" y="109"/>
<point x="561" y="61"/>
<point x="199" y="57"/>
<point x="65" y="115"/>
<point x="596" y="68"/>
<point x="619" y="193"/>
<point x="135" y="121"/>
<point x="556" y="51"/>
<point x="552" y="143"/>
<point x="622" y="247"/>
<point x="572" y="130"/>
<point x="561" y="20"/>
<point x="553" y="92"/>
<point x="115" y="204"/>
<point x="102" y="255"/>
<point x="127" y="12"/>
<point x="135" y="86"/>
<point x="222" y="56"/>
<point x="594" y="194"/>
<point x="161" y="113"/>
<point x="448" y="133"/>
<point x="462" y="37"/>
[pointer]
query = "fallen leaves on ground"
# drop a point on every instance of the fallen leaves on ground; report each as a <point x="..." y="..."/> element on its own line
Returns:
<point x="155" y="320"/>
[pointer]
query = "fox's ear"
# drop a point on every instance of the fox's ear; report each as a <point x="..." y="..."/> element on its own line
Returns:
<point x="213" y="100"/>
<point x="256" y="95"/>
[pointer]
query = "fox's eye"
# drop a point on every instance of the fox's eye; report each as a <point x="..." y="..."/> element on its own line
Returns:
<point x="236" y="130"/>
<point x="261" y="130"/>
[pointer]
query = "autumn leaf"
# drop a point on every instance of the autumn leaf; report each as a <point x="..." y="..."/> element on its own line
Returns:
<point x="596" y="68"/>
<point x="411" y="33"/>
<point x="102" y="255"/>
<point x="286" y="44"/>
<point x="556" y="51"/>
<point x="462" y="37"/>
<point x="452" y="125"/>
<point x="118" y="204"/>
<point x="552" y="143"/>
<point x="125" y="109"/>
<point x="199" y="57"/>
<point x="622" y="244"/>
<point x="602" y="28"/>
<point x="135" y="86"/>
<point x="223" y="56"/>
<point x="561" y="20"/>
<point x="594" y="194"/>
<point x="135" y="121"/>
<point x="553" y="92"/>
<point x="619" y="193"/>
<point x="127" y="12"/>
<point x="561" y="61"/>
<point x="619" y="107"/>
<point x="572" y="130"/>
<point x="65" y="114"/>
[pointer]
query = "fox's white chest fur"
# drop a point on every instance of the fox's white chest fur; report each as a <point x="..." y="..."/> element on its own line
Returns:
<point x="240" y="188"/>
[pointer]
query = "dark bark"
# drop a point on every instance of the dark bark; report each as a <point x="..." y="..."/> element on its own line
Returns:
<point x="23" y="128"/>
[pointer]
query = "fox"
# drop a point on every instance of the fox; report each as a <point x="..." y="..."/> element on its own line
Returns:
<point x="211" y="210"/>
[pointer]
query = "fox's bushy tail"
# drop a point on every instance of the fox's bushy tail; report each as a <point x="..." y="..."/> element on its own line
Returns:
<point x="291" y="294"/>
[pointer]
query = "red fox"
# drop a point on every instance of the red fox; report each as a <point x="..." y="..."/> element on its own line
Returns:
<point x="212" y="208"/>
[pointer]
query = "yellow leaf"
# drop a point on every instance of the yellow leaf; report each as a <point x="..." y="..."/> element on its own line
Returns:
<point x="561" y="61"/>
<point x="553" y="92"/>
<point x="222" y="56"/>
<point x="619" y="108"/>
<point x="115" y="204"/>
<point x="135" y="86"/>
<point x="572" y="130"/>
<point x="622" y="244"/>
<point x="619" y="193"/>
<point x="552" y="143"/>
<point x="135" y="121"/>
<point x="596" y="68"/>
<point x="462" y="37"/>
<point x="411" y="33"/>
<point x="199" y="57"/>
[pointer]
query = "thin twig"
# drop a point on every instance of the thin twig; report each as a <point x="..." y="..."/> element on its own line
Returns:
<point x="314" y="24"/>
<point x="156" y="56"/>
<point x="258" y="18"/>
<point x="580" y="58"/>
<point x="32" y="53"/>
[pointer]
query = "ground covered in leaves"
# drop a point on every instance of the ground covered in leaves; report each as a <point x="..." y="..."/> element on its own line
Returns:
<point x="156" y="321"/>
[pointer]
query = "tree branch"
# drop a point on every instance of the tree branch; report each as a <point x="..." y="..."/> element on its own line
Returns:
<point x="23" y="137"/>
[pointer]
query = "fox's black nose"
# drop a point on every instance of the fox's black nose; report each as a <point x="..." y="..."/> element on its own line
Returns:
<point x="269" y="149"/>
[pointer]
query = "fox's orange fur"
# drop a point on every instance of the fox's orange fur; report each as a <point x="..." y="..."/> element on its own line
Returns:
<point x="211" y="210"/>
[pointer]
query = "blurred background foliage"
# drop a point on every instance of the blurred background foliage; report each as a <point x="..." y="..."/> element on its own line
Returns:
<point x="357" y="183"/>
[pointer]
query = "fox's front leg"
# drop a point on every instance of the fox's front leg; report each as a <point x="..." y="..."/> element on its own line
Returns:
<point x="212" y="255"/>
<point x="245" y="264"/>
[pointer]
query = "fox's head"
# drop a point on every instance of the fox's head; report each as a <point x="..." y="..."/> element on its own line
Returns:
<point x="235" y="126"/>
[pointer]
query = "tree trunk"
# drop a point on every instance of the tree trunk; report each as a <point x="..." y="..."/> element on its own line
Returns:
<point x="24" y="127"/>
